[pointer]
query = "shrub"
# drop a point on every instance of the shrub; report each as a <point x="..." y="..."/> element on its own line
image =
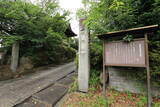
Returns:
<point x="94" y="80"/>
<point x="96" y="59"/>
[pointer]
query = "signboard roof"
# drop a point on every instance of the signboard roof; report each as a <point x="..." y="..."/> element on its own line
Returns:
<point x="139" y="30"/>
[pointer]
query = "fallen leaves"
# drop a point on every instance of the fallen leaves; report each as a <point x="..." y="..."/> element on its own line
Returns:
<point x="114" y="99"/>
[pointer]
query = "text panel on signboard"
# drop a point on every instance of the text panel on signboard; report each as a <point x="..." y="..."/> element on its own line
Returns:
<point x="125" y="54"/>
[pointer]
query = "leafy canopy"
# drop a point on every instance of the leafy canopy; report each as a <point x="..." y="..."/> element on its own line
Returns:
<point x="40" y="29"/>
<point x="27" y="22"/>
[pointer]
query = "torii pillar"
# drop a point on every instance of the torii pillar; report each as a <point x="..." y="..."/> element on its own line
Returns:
<point x="84" y="66"/>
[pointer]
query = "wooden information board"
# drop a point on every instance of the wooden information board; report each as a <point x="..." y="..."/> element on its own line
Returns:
<point x="132" y="54"/>
<point x="120" y="53"/>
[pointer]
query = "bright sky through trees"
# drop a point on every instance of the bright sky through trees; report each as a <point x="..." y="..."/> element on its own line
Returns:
<point x="72" y="6"/>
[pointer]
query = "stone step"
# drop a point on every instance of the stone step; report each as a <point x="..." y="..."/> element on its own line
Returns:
<point x="49" y="96"/>
<point x="68" y="79"/>
<point x="31" y="104"/>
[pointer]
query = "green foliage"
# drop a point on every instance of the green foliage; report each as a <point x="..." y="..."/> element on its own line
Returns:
<point x="154" y="55"/>
<point x="72" y="42"/>
<point x="128" y="38"/>
<point x="142" y="102"/>
<point x="39" y="29"/>
<point x="76" y="60"/>
<point x="94" y="78"/>
<point x="156" y="104"/>
<point x="96" y="54"/>
<point x="74" y="86"/>
<point x="1" y="49"/>
<point x="81" y="13"/>
<point x="112" y="15"/>
<point x="129" y="95"/>
<point x="97" y="101"/>
<point x="30" y="22"/>
<point x="101" y="101"/>
<point x="9" y="40"/>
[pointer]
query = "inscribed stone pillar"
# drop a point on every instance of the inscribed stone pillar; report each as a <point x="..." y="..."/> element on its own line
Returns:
<point x="84" y="67"/>
<point x="15" y="56"/>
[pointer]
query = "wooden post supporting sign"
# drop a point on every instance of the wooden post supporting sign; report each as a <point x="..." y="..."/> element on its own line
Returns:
<point x="104" y="72"/>
<point x="149" y="97"/>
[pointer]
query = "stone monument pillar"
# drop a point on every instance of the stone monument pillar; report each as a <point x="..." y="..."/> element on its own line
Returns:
<point x="15" y="56"/>
<point x="84" y="66"/>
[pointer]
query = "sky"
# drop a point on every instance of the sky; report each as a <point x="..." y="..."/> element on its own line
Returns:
<point x="72" y="6"/>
